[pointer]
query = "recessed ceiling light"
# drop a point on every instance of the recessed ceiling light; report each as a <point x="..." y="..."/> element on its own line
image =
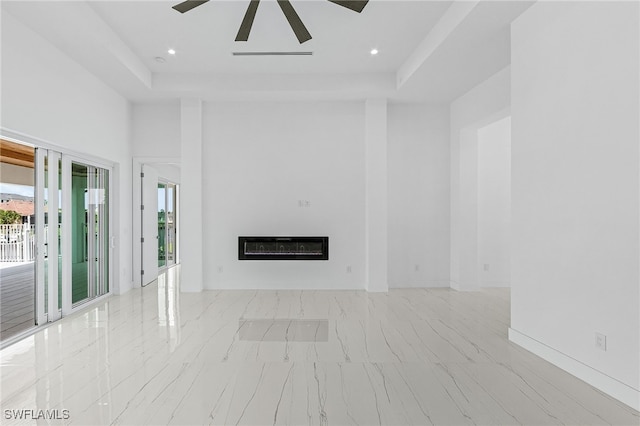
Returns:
<point x="171" y="52"/>
<point x="160" y="59"/>
<point x="374" y="51"/>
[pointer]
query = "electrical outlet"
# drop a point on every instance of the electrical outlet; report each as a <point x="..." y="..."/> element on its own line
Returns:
<point x="220" y="269"/>
<point x="349" y="269"/>
<point x="601" y="341"/>
<point x="486" y="267"/>
<point x="416" y="268"/>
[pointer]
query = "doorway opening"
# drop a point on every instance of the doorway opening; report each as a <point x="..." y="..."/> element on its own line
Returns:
<point x="481" y="203"/>
<point x="494" y="204"/>
<point x="17" y="239"/>
<point x="166" y="224"/>
<point x="159" y="214"/>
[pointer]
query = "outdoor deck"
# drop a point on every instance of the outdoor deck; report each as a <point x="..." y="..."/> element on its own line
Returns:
<point x="17" y="287"/>
<point x="17" y="294"/>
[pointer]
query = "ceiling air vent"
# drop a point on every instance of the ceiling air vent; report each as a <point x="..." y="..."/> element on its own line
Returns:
<point x="272" y="53"/>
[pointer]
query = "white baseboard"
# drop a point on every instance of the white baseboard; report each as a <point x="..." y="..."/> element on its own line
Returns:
<point x="282" y="285"/>
<point x="427" y="284"/>
<point x="612" y="387"/>
<point x="458" y="287"/>
<point x="490" y="284"/>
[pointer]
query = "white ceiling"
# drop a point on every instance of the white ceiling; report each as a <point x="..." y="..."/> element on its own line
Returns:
<point x="204" y="37"/>
<point x="443" y="50"/>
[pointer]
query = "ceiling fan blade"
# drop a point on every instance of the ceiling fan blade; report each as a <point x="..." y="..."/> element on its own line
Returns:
<point x="294" y="20"/>
<point x="355" y="5"/>
<point x="186" y="6"/>
<point x="247" y="22"/>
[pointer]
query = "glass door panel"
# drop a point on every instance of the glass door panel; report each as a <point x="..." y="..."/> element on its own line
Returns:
<point x="99" y="207"/>
<point x="104" y="231"/>
<point x="57" y="230"/>
<point x="48" y="231"/>
<point x="171" y="224"/>
<point x="45" y="230"/>
<point x="79" y="247"/>
<point x="162" y="231"/>
<point x="89" y="232"/>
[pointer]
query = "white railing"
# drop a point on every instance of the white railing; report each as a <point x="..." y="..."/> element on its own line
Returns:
<point x="17" y="243"/>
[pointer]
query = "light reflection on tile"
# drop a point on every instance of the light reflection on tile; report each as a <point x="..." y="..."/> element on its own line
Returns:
<point x="283" y="330"/>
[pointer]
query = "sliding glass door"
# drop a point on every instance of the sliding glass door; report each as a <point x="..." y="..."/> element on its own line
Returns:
<point x="72" y="229"/>
<point x="61" y="230"/>
<point x="89" y="231"/>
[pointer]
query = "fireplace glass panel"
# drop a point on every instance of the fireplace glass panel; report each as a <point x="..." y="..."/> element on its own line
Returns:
<point x="283" y="248"/>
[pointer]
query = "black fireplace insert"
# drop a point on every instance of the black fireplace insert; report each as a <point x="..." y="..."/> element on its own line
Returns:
<point x="283" y="248"/>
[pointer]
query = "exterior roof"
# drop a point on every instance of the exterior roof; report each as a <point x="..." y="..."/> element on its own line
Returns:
<point x="24" y="208"/>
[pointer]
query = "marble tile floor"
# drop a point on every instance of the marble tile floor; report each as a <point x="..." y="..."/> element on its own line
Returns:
<point x="420" y="357"/>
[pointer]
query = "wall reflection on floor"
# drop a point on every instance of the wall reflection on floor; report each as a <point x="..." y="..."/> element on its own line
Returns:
<point x="168" y="305"/>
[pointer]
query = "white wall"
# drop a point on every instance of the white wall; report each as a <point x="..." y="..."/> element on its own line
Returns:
<point x="156" y="130"/>
<point x="192" y="220"/>
<point x="48" y="96"/>
<point x="575" y="167"/>
<point x="494" y="204"/>
<point x="376" y="203"/>
<point x="259" y="160"/>
<point x="168" y="172"/>
<point x="482" y="105"/>
<point x="418" y="157"/>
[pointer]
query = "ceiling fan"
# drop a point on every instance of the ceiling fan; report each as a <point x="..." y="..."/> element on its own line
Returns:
<point x="297" y="26"/>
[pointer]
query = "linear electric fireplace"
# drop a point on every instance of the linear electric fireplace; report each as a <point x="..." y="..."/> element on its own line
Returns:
<point x="283" y="248"/>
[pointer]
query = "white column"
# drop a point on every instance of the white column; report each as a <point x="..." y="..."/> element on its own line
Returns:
<point x="190" y="210"/>
<point x="376" y="195"/>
